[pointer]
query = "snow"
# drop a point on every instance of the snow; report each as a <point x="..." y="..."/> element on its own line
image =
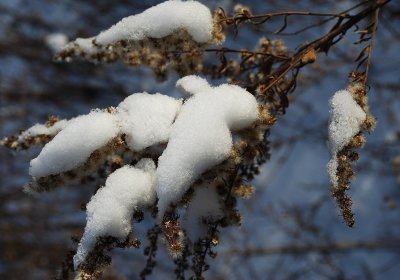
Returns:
<point x="200" y="137"/>
<point x="156" y="22"/>
<point x="56" y="41"/>
<point x="346" y="118"/>
<point x="146" y="119"/>
<point x="204" y="204"/>
<point x="162" y="20"/>
<point x="42" y="129"/>
<point x="73" y="145"/>
<point x="109" y="212"/>
<point x="192" y="84"/>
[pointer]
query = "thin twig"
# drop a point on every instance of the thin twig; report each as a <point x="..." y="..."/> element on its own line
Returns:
<point x="337" y="246"/>
<point x="371" y="45"/>
<point x="322" y="44"/>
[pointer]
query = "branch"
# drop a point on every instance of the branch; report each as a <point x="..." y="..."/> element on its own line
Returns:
<point x="336" y="246"/>
<point x="371" y="45"/>
<point x="322" y="44"/>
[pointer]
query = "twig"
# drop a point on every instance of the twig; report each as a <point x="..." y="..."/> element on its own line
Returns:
<point x="336" y="246"/>
<point x="371" y="45"/>
<point x="322" y="44"/>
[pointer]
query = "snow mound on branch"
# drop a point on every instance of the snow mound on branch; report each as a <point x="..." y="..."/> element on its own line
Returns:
<point x="146" y="119"/>
<point x="110" y="211"/>
<point x="204" y="204"/>
<point x="156" y="22"/>
<point x="42" y="129"/>
<point x="346" y="118"/>
<point x="200" y="137"/>
<point x="190" y="85"/>
<point x="73" y="145"/>
<point x="162" y="20"/>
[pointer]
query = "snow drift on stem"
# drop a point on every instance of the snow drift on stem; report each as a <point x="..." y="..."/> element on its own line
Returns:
<point x="110" y="211"/>
<point x="201" y="135"/>
<point x="346" y="118"/>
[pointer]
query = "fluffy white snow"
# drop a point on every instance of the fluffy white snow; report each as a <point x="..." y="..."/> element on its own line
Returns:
<point x="201" y="137"/>
<point x="162" y="20"/>
<point x="204" y="204"/>
<point x="190" y="85"/>
<point x="109" y="212"/>
<point x="73" y="145"/>
<point x="56" y="41"/>
<point x="146" y="119"/>
<point x="156" y="22"/>
<point x="42" y="129"/>
<point x="346" y="118"/>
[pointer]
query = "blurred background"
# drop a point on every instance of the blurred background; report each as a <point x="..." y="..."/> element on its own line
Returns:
<point x="291" y="227"/>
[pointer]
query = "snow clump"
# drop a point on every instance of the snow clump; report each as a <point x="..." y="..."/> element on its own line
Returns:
<point x="346" y="118"/>
<point x="110" y="210"/>
<point x="145" y="119"/>
<point x="201" y="135"/>
<point x="73" y="145"/>
<point x="162" y="20"/>
<point x="156" y="22"/>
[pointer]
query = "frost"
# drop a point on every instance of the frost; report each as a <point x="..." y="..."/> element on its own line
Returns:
<point x="200" y="137"/>
<point x="73" y="145"/>
<point x="162" y="20"/>
<point x="204" y="205"/>
<point x="146" y="119"/>
<point x="346" y="118"/>
<point x="110" y="211"/>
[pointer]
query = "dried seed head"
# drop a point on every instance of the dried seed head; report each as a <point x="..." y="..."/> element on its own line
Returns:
<point x="264" y="116"/>
<point x="309" y="57"/>
<point x="173" y="237"/>
<point x="369" y="123"/>
<point x="218" y="36"/>
<point x="357" y="141"/>
<point x="243" y="191"/>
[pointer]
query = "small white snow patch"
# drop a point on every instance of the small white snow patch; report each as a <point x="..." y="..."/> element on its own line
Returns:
<point x="200" y="137"/>
<point x="42" y="129"/>
<point x="73" y="145"/>
<point x="56" y="41"/>
<point x="192" y="84"/>
<point x="109" y="212"/>
<point x="146" y="119"/>
<point x="346" y="118"/>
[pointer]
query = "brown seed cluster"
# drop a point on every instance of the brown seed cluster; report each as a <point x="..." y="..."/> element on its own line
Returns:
<point x="173" y="235"/>
<point x="97" y="259"/>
